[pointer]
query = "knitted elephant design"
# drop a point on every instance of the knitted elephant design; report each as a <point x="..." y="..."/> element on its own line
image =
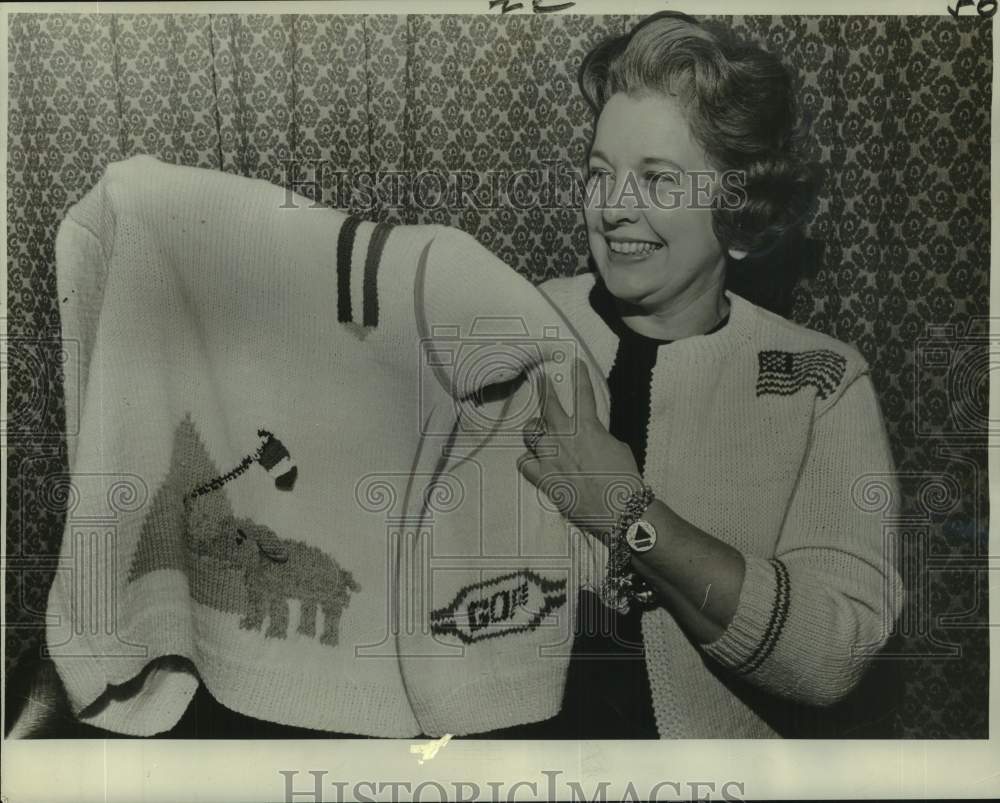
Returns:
<point x="235" y="565"/>
<point x="276" y="571"/>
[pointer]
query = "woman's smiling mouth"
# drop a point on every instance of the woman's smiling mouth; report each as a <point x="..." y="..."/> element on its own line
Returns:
<point x="632" y="248"/>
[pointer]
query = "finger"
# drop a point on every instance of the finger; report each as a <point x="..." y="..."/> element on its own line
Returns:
<point x="541" y="394"/>
<point x="557" y="420"/>
<point x="585" y="397"/>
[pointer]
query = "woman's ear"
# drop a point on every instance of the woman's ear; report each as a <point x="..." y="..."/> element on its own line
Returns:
<point x="735" y="253"/>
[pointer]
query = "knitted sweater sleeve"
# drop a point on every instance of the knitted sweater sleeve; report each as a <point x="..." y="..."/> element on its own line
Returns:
<point x="810" y="617"/>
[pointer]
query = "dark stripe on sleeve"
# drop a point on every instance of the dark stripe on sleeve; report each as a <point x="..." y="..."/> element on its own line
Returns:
<point x="345" y="245"/>
<point x="374" y="258"/>
<point x="779" y="615"/>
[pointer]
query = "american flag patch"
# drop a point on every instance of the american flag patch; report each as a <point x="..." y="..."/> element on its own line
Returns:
<point x="786" y="372"/>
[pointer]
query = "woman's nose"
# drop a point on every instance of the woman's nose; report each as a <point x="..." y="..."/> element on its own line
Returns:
<point x="620" y="204"/>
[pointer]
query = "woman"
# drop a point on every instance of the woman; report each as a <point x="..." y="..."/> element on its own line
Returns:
<point x="757" y="573"/>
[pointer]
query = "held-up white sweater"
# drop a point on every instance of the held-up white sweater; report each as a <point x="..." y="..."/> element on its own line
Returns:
<point x="288" y="481"/>
<point x="766" y="435"/>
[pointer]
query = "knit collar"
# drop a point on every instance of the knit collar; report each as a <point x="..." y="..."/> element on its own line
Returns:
<point x="733" y="330"/>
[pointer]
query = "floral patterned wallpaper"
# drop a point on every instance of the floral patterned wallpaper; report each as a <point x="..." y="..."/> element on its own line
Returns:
<point x="898" y="109"/>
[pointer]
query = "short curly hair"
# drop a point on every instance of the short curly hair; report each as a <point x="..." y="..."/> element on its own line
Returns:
<point x="740" y="104"/>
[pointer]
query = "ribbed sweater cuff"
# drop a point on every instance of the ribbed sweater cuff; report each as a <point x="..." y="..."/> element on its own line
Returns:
<point x="759" y="619"/>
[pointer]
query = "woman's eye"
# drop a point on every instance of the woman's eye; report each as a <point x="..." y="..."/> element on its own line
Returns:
<point x="665" y="178"/>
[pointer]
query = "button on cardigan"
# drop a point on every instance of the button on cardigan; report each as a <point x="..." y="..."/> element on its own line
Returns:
<point x="768" y="436"/>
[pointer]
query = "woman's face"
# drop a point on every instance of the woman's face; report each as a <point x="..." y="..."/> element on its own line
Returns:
<point x="651" y="246"/>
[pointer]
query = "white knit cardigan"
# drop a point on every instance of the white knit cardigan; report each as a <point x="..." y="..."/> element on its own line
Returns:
<point x="768" y="436"/>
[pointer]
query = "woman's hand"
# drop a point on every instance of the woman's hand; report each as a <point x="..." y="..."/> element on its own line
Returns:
<point x="583" y="468"/>
<point x="588" y="473"/>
